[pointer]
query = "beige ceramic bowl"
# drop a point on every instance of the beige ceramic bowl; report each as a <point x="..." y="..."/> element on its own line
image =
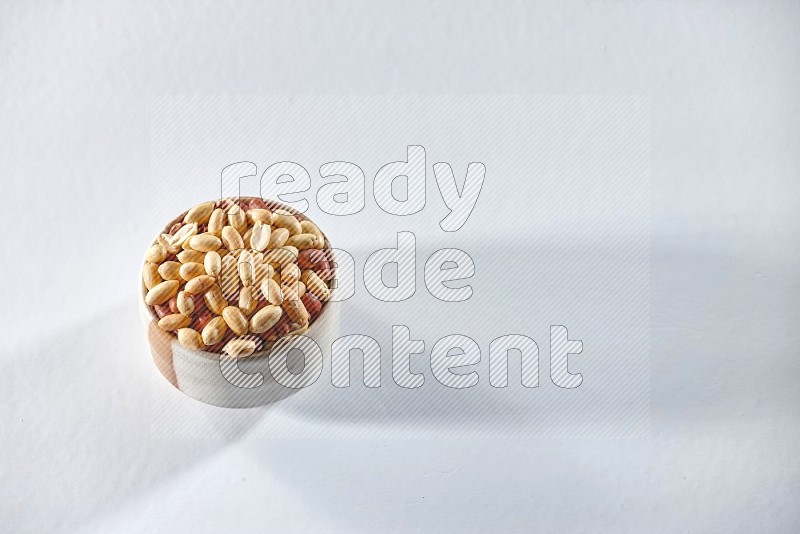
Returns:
<point x="270" y="374"/>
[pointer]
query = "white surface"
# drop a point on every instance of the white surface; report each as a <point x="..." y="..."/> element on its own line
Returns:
<point x="94" y="440"/>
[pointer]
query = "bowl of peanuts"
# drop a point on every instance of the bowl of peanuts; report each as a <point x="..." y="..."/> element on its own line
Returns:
<point x="229" y="284"/>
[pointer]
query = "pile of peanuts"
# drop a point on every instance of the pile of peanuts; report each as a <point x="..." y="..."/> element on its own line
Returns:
<point x="236" y="275"/>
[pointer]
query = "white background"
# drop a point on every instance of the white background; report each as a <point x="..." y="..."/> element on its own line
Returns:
<point x="93" y="439"/>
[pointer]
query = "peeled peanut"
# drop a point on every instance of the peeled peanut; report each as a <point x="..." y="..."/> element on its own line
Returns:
<point x="247" y="300"/>
<point x="156" y="253"/>
<point x="205" y="242"/>
<point x="259" y="239"/>
<point x="246" y="273"/>
<point x="161" y="293"/>
<point x="212" y="263"/>
<point x="191" y="270"/>
<point x="199" y="284"/>
<point x="216" y="222"/>
<point x="214" y="331"/>
<point x="170" y="270"/>
<point x="302" y="241"/>
<point x="173" y="322"/>
<point x="272" y="291"/>
<point x="214" y="299"/>
<point x="284" y="219"/>
<point x="190" y="339"/>
<point x="177" y="240"/>
<point x="164" y="240"/>
<point x="232" y="239"/>
<point x="290" y="273"/>
<point x="278" y="238"/>
<point x="229" y="276"/>
<point x="265" y="318"/>
<point x="315" y="285"/>
<point x="190" y="256"/>
<point x="309" y="227"/>
<point x="294" y="308"/>
<point x="150" y="275"/>
<point x="237" y="219"/>
<point x="235" y="319"/>
<point x="299" y="330"/>
<point x="259" y="215"/>
<point x="240" y="347"/>
<point x="185" y="303"/>
<point x="281" y="256"/>
<point x="200" y="213"/>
